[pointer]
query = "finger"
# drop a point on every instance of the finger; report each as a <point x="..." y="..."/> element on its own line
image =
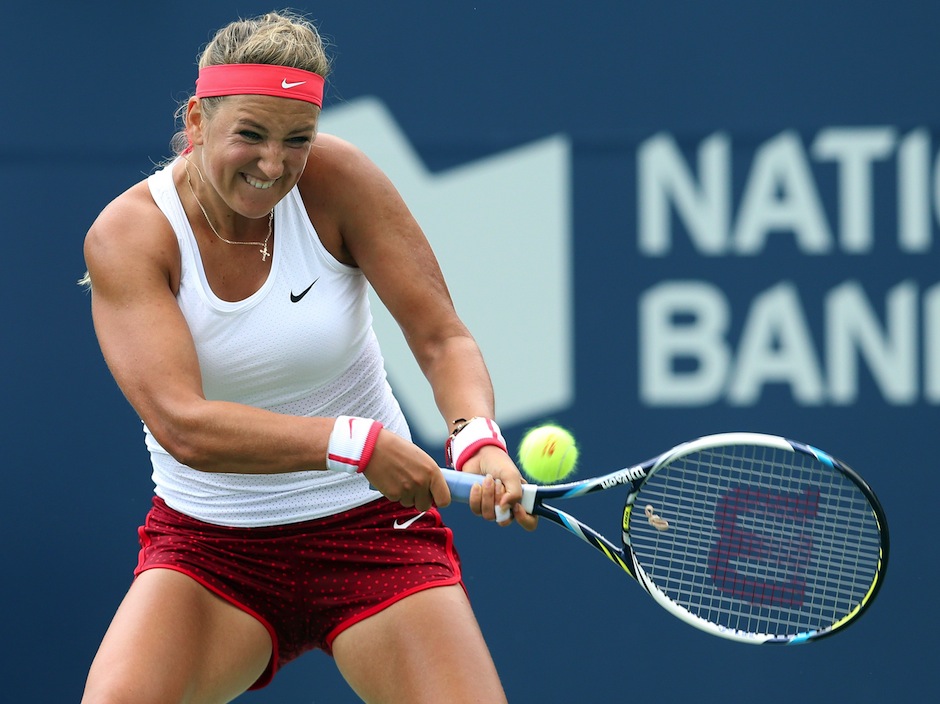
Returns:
<point x="423" y="501"/>
<point x="476" y="499"/>
<point x="501" y="511"/>
<point x="524" y="519"/>
<point x="440" y="492"/>
<point x="488" y="503"/>
<point x="512" y="488"/>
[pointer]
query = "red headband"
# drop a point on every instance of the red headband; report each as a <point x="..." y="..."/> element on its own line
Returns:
<point x="260" y="79"/>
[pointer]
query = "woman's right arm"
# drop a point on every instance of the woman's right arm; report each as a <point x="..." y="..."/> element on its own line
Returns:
<point x="133" y="261"/>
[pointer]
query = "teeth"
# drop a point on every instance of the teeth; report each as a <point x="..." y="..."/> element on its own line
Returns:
<point x="257" y="183"/>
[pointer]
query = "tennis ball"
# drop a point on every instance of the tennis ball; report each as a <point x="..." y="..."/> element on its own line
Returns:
<point x="547" y="454"/>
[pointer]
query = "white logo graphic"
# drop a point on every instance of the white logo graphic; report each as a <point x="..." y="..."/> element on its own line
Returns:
<point x="818" y="331"/>
<point x="285" y="84"/>
<point x="501" y="229"/>
<point x="402" y="525"/>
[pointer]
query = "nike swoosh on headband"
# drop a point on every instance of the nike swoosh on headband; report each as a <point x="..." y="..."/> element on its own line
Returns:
<point x="260" y="79"/>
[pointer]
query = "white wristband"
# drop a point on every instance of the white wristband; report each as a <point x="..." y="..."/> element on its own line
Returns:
<point x="351" y="444"/>
<point x="467" y="440"/>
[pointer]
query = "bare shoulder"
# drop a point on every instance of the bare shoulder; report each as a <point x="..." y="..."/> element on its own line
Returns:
<point x="373" y="228"/>
<point x="131" y="237"/>
<point x="349" y="199"/>
<point x="335" y="166"/>
<point x="332" y="152"/>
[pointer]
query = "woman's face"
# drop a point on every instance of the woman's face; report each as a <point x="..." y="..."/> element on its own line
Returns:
<point x="253" y="148"/>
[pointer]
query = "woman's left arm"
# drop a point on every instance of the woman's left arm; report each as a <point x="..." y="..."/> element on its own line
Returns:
<point x="370" y="226"/>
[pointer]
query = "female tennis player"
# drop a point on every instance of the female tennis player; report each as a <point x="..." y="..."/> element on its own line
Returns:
<point x="292" y="510"/>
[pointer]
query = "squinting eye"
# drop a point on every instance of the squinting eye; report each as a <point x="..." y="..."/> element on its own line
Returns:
<point x="248" y="134"/>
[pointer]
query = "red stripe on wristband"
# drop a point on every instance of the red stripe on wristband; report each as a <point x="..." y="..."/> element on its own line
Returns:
<point x="470" y="438"/>
<point x="352" y="443"/>
<point x="471" y="450"/>
<point x="369" y="446"/>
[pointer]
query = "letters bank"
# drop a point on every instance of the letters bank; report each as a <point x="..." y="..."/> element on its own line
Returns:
<point x="827" y="211"/>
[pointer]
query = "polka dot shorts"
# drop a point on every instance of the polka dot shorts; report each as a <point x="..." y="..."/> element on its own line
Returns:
<point x="307" y="582"/>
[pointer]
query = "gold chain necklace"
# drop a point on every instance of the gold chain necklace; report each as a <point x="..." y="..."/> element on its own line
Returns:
<point x="264" y="245"/>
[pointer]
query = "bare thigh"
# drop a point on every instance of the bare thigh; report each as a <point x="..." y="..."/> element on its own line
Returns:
<point x="172" y="640"/>
<point x="425" y="648"/>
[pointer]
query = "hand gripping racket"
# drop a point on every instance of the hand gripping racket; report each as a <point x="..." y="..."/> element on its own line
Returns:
<point x="750" y="537"/>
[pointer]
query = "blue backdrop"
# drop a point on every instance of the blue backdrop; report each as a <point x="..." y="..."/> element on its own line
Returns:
<point x="755" y="191"/>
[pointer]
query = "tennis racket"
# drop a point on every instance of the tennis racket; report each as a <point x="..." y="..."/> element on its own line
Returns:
<point x="750" y="537"/>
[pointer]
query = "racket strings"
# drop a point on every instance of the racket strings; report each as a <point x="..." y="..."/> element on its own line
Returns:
<point x="759" y="539"/>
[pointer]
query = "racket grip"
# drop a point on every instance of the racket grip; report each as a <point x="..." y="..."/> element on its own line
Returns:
<point x="461" y="483"/>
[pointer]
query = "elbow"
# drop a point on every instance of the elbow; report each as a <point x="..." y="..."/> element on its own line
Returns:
<point x="186" y="452"/>
<point x="431" y="351"/>
<point x="183" y="443"/>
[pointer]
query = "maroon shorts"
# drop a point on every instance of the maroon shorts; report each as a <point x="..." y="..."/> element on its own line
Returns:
<point x="306" y="582"/>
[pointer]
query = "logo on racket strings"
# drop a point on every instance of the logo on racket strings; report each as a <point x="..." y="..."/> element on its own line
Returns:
<point x="764" y="545"/>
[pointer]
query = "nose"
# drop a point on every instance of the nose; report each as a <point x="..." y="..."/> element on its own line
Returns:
<point x="271" y="162"/>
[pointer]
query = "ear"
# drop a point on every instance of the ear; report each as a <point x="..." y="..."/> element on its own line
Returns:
<point x="195" y="121"/>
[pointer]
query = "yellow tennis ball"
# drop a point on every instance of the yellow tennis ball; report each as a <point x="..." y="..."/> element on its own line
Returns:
<point x="547" y="454"/>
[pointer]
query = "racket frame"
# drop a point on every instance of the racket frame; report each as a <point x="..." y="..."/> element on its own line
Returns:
<point x="534" y="499"/>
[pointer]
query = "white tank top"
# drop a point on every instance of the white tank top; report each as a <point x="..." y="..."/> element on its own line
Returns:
<point x="302" y="345"/>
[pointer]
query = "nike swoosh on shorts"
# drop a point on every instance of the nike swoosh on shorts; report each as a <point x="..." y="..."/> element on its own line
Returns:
<point x="402" y="525"/>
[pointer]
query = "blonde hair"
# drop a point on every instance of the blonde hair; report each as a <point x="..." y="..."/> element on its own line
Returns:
<point x="282" y="38"/>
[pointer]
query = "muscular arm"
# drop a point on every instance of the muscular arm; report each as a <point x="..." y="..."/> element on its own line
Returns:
<point x="133" y="260"/>
<point x="363" y="221"/>
<point x="374" y="230"/>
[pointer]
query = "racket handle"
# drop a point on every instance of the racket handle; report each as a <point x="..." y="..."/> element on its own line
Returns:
<point x="461" y="483"/>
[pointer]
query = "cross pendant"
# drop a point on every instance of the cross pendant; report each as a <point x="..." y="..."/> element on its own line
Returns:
<point x="264" y="252"/>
